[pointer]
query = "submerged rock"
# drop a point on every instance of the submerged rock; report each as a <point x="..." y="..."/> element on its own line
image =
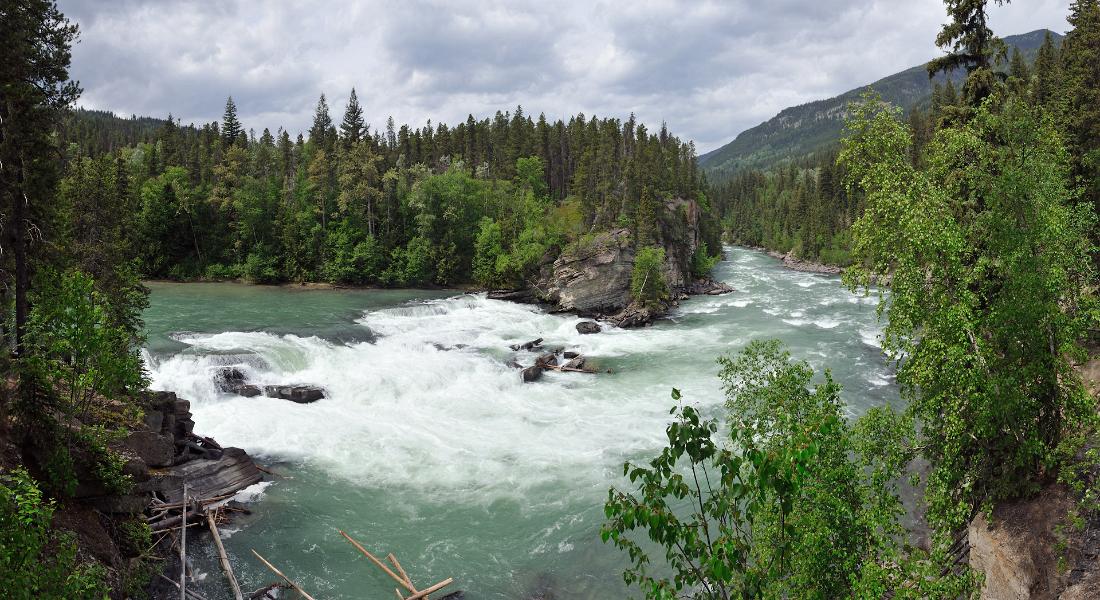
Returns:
<point x="531" y="373"/>
<point x="535" y="343"/>
<point x="249" y="391"/>
<point x="576" y="363"/>
<point x="586" y="327"/>
<point x="302" y="394"/>
<point x="548" y="359"/>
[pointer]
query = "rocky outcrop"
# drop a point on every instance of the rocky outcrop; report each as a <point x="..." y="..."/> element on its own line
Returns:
<point x="593" y="276"/>
<point x="797" y="264"/>
<point x="1018" y="551"/>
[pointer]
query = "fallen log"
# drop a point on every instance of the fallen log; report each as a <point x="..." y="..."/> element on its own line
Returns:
<point x="285" y="578"/>
<point x="359" y="547"/>
<point x="222" y="557"/>
<point x="171" y="522"/>
<point x="568" y="369"/>
<point x="193" y="595"/>
<point x="435" y="588"/>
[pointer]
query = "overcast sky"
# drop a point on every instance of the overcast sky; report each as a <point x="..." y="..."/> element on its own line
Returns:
<point x="708" y="69"/>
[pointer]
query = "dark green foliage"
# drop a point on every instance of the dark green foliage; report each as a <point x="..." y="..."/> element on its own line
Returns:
<point x="647" y="281"/>
<point x="230" y="127"/>
<point x="989" y="294"/>
<point x="803" y="207"/>
<point x="1081" y="81"/>
<point x="702" y="263"/>
<point x="36" y="561"/>
<point x="970" y="45"/>
<point x="353" y="126"/>
<point x="400" y="209"/>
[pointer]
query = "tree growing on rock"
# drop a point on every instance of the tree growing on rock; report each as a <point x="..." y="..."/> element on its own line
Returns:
<point x="647" y="281"/>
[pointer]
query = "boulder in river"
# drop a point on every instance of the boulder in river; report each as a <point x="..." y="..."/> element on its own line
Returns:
<point x="549" y="359"/>
<point x="249" y="391"/>
<point x="302" y="394"/>
<point x="568" y="354"/>
<point x="228" y="379"/>
<point x="535" y="343"/>
<point x="585" y="327"/>
<point x="576" y="363"/>
<point x="531" y="373"/>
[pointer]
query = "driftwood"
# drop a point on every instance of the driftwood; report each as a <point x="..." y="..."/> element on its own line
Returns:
<point x="435" y="588"/>
<point x="285" y="578"/>
<point x="172" y="522"/>
<point x="379" y="563"/>
<point x="222" y="557"/>
<point x="567" y="369"/>
<point x="193" y="595"/>
<point x="183" y="548"/>
<point x="403" y="579"/>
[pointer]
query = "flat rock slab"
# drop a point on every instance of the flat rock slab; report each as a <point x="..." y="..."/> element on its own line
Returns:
<point x="231" y="473"/>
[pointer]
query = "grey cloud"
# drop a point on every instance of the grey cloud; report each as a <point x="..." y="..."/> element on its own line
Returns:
<point x="709" y="69"/>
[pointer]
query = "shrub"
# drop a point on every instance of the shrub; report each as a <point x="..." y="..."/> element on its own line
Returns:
<point x="36" y="561"/>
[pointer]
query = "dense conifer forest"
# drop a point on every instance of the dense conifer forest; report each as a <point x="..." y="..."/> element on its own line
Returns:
<point x="352" y="204"/>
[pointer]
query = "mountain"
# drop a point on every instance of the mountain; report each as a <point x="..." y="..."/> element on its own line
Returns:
<point x="801" y="130"/>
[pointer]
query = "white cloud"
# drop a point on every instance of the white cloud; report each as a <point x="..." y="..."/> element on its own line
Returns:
<point x="709" y="69"/>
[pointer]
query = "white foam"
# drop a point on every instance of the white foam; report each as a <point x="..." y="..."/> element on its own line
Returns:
<point x="826" y="323"/>
<point x="462" y="417"/>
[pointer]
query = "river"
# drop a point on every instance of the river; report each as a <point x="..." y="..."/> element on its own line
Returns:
<point x="430" y="447"/>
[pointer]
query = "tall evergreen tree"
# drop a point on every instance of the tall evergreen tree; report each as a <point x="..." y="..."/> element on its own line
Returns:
<point x="971" y="45"/>
<point x="353" y="126"/>
<point x="1048" y="73"/>
<point x="322" y="123"/>
<point x="1081" y="63"/>
<point x="231" y="126"/>
<point x="34" y="92"/>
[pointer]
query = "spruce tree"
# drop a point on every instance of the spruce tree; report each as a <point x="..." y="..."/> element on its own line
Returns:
<point x="971" y="45"/>
<point x="322" y="123"/>
<point x="1081" y="63"/>
<point x="231" y="127"/>
<point x="35" y="90"/>
<point x="352" y="128"/>
<point x="1048" y="73"/>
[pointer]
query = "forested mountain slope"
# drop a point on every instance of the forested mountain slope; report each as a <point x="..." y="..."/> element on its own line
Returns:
<point x="802" y="130"/>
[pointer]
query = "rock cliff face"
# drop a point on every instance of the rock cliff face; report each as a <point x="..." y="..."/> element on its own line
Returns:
<point x="592" y="278"/>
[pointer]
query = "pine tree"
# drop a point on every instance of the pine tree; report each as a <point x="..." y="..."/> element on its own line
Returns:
<point x="1018" y="74"/>
<point x="1048" y="73"/>
<point x="231" y="126"/>
<point x="322" y="123"/>
<point x="35" y="91"/>
<point x="970" y="45"/>
<point x="1081" y="63"/>
<point x="353" y="126"/>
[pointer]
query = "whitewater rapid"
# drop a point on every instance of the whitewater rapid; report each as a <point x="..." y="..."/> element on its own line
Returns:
<point x="425" y="415"/>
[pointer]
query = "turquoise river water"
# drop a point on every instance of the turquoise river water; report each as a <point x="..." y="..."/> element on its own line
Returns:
<point x="430" y="447"/>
